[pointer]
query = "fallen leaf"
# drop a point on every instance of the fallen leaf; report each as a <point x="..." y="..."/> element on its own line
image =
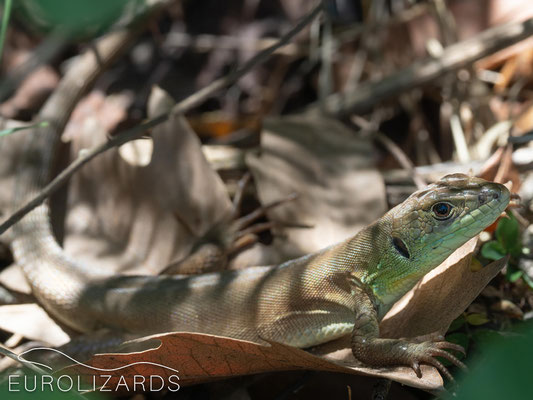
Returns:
<point x="500" y="168"/>
<point x="99" y="112"/>
<point x="137" y="152"/>
<point x="203" y="358"/>
<point x="137" y="219"/>
<point x="330" y="167"/>
<point x="31" y="93"/>
<point x="524" y="123"/>
<point x="13" y="278"/>
<point x="507" y="307"/>
<point x="31" y="321"/>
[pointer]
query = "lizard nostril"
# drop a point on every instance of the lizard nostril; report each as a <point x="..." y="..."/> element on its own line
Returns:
<point x="496" y="195"/>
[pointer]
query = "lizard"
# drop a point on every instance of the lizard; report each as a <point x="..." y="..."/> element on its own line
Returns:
<point x="344" y="289"/>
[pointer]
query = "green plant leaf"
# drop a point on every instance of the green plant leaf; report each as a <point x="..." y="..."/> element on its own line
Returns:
<point x="513" y="274"/>
<point x="508" y="235"/>
<point x="493" y="250"/>
<point x="477" y="319"/>
<point x="501" y="371"/>
<point x="528" y="280"/>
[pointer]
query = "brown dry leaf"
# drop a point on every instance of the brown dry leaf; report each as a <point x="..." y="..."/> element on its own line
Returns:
<point x="97" y="111"/>
<point x="31" y="93"/>
<point x="203" y="358"/>
<point x="138" y="218"/>
<point x="500" y="168"/>
<point x="524" y="123"/>
<point x="515" y="67"/>
<point x="441" y="296"/>
<point x="330" y="167"/>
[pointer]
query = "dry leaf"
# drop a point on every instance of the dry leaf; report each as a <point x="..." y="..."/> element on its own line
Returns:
<point x="203" y="358"/>
<point x="99" y="112"/>
<point x="440" y="297"/>
<point x="137" y="219"/>
<point x="13" y="278"/>
<point x="32" y="92"/>
<point x="330" y="167"/>
<point x="31" y="321"/>
<point x="500" y="168"/>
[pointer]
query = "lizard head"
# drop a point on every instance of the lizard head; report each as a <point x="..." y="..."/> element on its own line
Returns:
<point x="435" y="221"/>
<point x="429" y="226"/>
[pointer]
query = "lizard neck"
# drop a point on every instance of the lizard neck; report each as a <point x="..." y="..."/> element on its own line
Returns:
<point x="379" y="267"/>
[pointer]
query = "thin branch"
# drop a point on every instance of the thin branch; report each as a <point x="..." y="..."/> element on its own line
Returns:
<point x="421" y="72"/>
<point x="206" y="42"/>
<point x="8" y="353"/>
<point x="402" y="159"/>
<point x="393" y="148"/>
<point x="47" y="50"/>
<point x="136" y="132"/>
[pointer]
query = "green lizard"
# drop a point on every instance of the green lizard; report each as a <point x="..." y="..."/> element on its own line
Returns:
<point x="345" y="288"/>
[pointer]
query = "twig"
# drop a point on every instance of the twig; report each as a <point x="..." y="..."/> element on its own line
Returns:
<point x="50" y="47"/>
<point x="139" y="130"/>
<point x="458" y="135"/>
<point x="206" y="42"/>
<point x="394" y="149"/>
<point x="325" y="76"/>
<point x="402" y="159"/>
<point x="421" y="72"/>
<point x="56" y="111"/>
<point x="8" y="353"/>
<point x="353" y="33"/>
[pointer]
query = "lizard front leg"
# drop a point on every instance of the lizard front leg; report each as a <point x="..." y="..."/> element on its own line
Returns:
<point x="374" y="351"/>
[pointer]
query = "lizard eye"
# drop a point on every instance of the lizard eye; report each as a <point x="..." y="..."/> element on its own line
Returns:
<point x="442" y="210"/>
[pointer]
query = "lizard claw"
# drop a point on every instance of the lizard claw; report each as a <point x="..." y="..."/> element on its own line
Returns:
<point x="450" y="346"/>
<point x="416" y="367"/>
<point x="430" y="350"/>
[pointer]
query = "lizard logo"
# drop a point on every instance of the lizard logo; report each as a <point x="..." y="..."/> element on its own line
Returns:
<point x="43" y="381"/>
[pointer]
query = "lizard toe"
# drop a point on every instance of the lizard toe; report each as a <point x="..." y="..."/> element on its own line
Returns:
<point x="437" y="364"/>
<point x="416" y="367"/>
<point x="450" y="346"/>
<point x="448" y="356"/>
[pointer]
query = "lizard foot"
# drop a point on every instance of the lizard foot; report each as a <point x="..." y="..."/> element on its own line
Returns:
<point x="426" y="352"/>
<point x="380" y="352"/>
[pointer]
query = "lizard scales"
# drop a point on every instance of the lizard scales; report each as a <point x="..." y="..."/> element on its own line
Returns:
<point x="344" y="288"/>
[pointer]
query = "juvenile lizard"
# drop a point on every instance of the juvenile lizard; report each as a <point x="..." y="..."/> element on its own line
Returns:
<point x="346" y="288"/>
